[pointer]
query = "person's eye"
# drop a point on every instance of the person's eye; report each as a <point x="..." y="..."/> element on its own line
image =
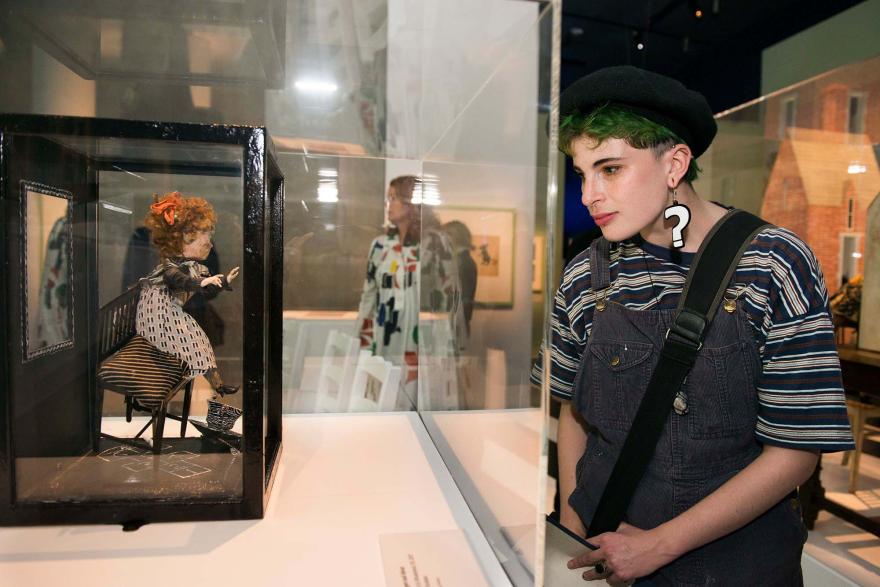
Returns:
<point x="611" y="169"/>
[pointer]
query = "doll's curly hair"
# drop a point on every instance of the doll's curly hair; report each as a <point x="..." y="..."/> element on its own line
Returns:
<point x="174" y="220"/>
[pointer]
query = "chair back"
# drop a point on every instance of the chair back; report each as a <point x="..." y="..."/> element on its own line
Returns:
<point x="116" y="322"/>
<point x="337" y="372"/>
<point x="438" y="383"/>
<point x="375" y="386"/>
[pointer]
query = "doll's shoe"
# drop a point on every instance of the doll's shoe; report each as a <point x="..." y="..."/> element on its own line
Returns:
<point x="227" y="390"/>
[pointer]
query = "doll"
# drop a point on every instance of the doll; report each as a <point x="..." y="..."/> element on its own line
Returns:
<point x="181" y="229"/>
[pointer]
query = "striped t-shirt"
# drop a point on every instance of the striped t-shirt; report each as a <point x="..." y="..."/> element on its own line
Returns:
<point x="800" y="393"/>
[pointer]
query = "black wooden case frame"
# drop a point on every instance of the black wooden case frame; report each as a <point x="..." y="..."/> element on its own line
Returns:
<point x="262" y="241"/>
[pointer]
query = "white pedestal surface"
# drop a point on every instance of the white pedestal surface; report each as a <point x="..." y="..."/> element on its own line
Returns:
<point x="344" y="482"/>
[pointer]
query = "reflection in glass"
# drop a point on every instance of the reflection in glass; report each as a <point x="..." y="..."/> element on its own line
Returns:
<point x="411" y="269"/>
<point x="805" y="158"/>
<point x="46" y="233"/>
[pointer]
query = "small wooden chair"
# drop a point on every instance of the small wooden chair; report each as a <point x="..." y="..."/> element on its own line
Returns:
<point x="130" y="365"/>
<point x="337" y="372"/>
<point x="858" y="411"/>
<point x="375" y="386"/>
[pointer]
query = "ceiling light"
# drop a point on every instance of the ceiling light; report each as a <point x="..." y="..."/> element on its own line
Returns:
<point x="428" y="191"/>
<point x="313" y="86"/>
<point x="639" y="40"/>
<point x="328" y="192"/>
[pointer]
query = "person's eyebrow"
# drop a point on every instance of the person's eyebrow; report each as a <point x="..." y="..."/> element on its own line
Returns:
<point x="601" y="162"/>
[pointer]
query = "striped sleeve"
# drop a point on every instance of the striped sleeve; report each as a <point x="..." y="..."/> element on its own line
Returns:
<point x="566" y="346"/>
<point x="800" y="391"/>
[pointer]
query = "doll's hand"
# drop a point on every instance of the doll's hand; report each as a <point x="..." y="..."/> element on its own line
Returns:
<point x="213" y="280"/>
<point x="232" y="275"/>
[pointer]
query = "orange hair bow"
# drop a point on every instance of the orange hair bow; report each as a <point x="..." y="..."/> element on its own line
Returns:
<point x="168" y="207"/>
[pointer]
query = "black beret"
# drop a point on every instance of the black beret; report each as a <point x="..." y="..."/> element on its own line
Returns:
<point x="656" y="97"/>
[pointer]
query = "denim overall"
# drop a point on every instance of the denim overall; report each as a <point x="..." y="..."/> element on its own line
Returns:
<point x="697" y="452"/>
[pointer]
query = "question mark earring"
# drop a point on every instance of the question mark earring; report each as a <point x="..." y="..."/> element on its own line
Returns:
<point x="683" y="213"/>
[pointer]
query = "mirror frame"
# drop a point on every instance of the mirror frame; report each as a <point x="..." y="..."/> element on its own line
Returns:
<point x="39" y="188"/>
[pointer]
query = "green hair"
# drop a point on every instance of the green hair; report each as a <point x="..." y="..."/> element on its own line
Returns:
<point x="609" y="121"/>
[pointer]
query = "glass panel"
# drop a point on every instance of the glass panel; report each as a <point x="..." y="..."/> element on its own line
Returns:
<point x="818" y="179"/>
<point x="166" y="331"/>
<point x="485" y="182"/>
<point x="46" y="235"/>
<point x="351" y="78"/>
<point x="125" y="152"/>
<point x="216" y="42"/>
<point x="821" y="180"/>
<point x="334" y="209"/>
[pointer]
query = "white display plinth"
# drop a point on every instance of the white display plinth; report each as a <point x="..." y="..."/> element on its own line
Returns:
<point x="344" y="483"/>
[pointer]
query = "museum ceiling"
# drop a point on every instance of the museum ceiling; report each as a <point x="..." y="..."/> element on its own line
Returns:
<point x="712" y="45"/>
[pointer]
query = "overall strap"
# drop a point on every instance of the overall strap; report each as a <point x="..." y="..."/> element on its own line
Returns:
<point x="600" y="264"/>
<point x="707" y="279"/>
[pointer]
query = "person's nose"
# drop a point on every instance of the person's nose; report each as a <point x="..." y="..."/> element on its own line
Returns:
<point x="590" y="194"/>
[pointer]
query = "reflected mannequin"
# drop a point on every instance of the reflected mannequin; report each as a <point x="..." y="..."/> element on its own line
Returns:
<point x="409" y="268"/>
<point x="462" y="243"/>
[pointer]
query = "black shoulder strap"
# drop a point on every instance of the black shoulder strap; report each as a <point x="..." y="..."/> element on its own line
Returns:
<point x="707" y="279"/>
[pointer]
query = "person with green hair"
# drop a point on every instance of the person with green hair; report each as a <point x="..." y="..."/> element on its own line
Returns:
<point x="717" y="502"/>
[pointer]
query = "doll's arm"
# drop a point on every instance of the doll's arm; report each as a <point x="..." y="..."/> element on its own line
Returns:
<point x="178" y="280"/>
<point x="212" y="286"/>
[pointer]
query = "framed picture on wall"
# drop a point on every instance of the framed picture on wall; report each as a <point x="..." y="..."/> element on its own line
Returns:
<point x="538" y="263"/>
<point x="492" y="236"/>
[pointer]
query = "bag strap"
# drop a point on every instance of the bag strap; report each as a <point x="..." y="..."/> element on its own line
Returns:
<point x="711" y="271"/>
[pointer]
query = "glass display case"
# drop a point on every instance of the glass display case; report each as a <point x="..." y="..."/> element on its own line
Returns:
<point x="203" y="43"/>
<point x="417" y="253"/>
<point x="805" y="158"/>
<point x="136" y="389"/>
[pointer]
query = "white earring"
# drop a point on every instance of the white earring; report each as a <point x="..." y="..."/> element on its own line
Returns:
<point x="683" y="213"/>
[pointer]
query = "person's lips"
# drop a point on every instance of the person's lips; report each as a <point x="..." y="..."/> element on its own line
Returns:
<point x="603" y="219"/>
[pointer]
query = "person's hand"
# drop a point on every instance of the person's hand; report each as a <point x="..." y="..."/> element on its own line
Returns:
<point x="626" y="555"/>
<point x="232" y="275"/>
<point x="213" y="280"/>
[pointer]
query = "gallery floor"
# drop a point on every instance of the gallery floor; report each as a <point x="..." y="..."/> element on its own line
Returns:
<point x="852" y="552"/>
